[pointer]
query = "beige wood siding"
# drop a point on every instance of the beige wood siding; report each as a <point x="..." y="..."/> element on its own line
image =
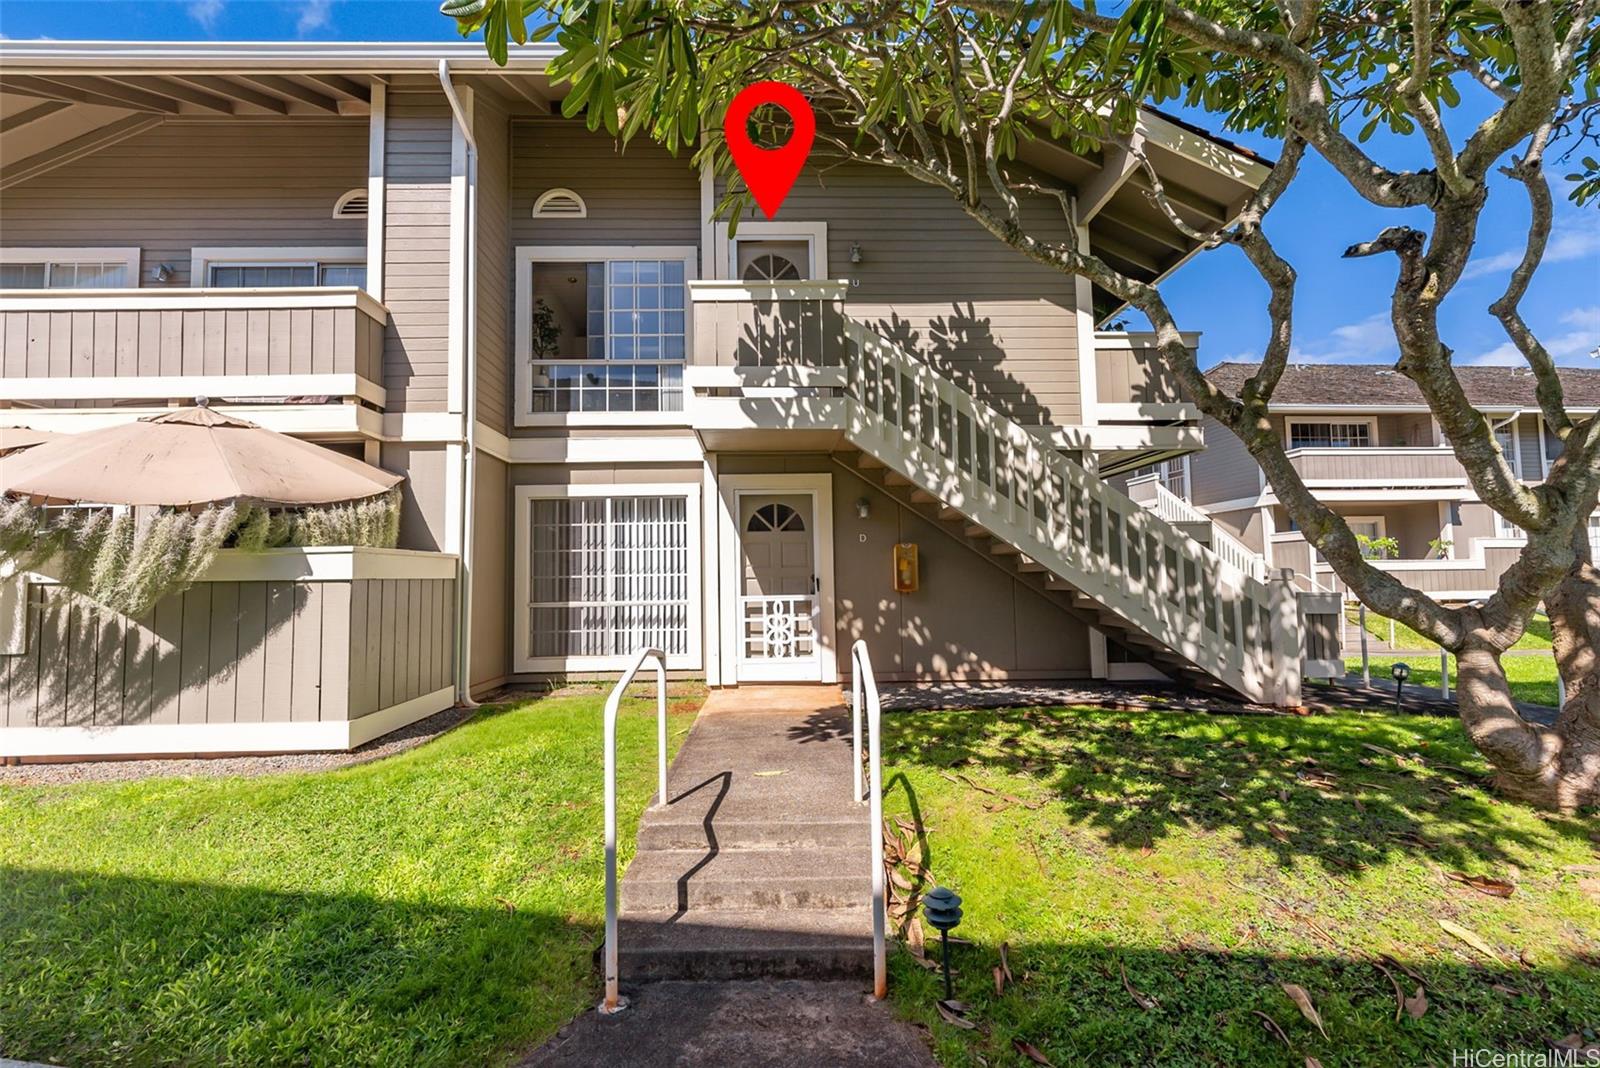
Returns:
<point x="231" y="652"/>
<point x="416" y="251"/>
<point x="1363" y="466"/>
<point x="190" y="341"/>
<point x="186" y="184"/>
<point x="1224" y="470"/>
<point x="422" y="517"/>
<point x="1133" y="376"/>
<point x="640" y="195"/>
<point x="493" y="294"/>
<point x="932" y="280"/>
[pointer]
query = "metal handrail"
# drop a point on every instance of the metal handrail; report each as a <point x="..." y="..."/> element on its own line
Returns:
<point x="614" y="1002"/>
<point x="863" y="683"/>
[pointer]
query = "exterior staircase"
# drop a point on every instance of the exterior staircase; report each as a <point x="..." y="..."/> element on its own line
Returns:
<point x="1117" y="565"/>
<point x="759" y="864"/>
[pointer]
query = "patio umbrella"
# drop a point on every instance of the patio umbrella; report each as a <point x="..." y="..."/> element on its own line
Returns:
<point x="17" y="438"/>
<point x="188" y="457"/>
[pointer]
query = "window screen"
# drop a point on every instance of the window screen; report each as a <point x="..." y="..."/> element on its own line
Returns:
<point x="608" y="575"/>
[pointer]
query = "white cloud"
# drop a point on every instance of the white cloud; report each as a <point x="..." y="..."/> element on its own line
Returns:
<point x="206" y="12"/>
<point x="1575" y="243"/>
<point x="1370" y="340"/>
<point x="313" y="16"/>
<point x="1572" y="346"/>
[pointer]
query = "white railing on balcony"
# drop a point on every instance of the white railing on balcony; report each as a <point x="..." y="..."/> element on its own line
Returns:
<point x="1174" y="509"/>
<point x="1127" y="559"/>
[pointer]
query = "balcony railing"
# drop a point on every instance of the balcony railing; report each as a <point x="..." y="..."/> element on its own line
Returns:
<point x="153" y="344"/>
<point x="1428" y="466"/>
<point x="1458" y="578"/>
<point x="1131" y="382"/>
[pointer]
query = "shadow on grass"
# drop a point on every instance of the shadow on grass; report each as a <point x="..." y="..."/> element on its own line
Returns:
<point x="1325" y="789"/>
<point x="101" y="969"/>
<point x="1072" y="1003"/>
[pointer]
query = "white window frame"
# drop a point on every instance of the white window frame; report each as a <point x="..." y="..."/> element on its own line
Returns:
<point x="814" y="234"/>
<point x="521" y="662"/>
<point x="201" y="260"/>
<point x="527" y="256"/>
<point x="1370" y="422"/>
<point x="127" y="256"/>
<point x="1511" y="421"/>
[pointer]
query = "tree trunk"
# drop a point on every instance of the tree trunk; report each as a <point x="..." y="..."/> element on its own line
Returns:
<point x="1554" y="767"/>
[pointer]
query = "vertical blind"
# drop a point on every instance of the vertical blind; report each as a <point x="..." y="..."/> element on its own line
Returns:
<point x="608" y="575"/>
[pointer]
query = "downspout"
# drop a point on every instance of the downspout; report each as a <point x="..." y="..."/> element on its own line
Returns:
<point x="469" y="397"/>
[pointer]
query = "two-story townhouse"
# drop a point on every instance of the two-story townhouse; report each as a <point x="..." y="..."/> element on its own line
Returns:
<point x="864" y="420"/>
<point x="1367" y="445"/>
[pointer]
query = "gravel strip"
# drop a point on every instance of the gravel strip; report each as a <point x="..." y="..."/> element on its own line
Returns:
<point x="63" y="774"/>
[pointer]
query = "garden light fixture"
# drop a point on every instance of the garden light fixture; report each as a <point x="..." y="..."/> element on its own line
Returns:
<point x="942" y="908"/>
<point x="1401" y="672"/>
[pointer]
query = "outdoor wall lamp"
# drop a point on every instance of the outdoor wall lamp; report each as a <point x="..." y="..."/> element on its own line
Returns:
<point x="942" y="908"/>
<point x="855" y="252"/>
<point x="163" y="272"/>
<point x="863" y="508"/>
<point x="1401" y="673"/>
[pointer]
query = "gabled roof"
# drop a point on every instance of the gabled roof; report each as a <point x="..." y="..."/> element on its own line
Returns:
<point x="1376" y="385"/>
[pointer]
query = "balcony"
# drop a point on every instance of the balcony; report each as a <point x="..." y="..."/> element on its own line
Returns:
<point x="1472" y="576"/>
<point x="160" y="344"/>
<point x="1378" y="468"/>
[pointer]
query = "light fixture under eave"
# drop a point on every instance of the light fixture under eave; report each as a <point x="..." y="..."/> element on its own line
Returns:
<point x="163" y="272"/>
<point x="855" y="252"/>
<point x="863" y="508"/>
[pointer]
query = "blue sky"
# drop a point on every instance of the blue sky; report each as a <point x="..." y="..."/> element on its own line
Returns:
<point x="1342" y="305"/>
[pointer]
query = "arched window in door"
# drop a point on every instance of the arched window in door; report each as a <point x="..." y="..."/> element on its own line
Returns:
<point x="771" y="267"/>
<point x="774" y="517"/>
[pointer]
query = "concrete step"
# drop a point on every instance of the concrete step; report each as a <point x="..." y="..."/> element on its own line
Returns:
<point x="673" y="831"/>
<point x="747" y="879"/>
<point x="742" y="944"/>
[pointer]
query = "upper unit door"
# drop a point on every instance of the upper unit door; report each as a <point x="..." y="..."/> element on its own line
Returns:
<point x="779" y="600"/>
<point x="772" y="259"/>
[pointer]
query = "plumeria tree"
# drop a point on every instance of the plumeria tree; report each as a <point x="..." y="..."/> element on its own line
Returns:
<point x="947" y="92"/>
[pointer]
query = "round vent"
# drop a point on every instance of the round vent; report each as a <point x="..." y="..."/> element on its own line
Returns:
<point x="560" y="204"/>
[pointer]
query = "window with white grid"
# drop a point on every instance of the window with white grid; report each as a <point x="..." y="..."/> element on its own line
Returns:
<point x="1330" y="435"/>
<point x="608" y="575"/>
<point x="55" y="272"/>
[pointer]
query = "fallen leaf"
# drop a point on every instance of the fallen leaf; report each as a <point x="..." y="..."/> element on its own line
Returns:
<point x="1278" y="832"/>
<point x="914" y="939"/>
<point x="1576" y="1044"/>
<point x="1470" y="938"/>
<point x="1312" y="1062"/>
<point x="1144" y="1001"/>
<point x="955" y="1019"/>
<point x="1030" y="1051"/>
<point x="1508" y="991"/>
<point x="1483" y="884"/>
<point x="1417" y="1004"/>
<point x="1272" y="1026"/>
<point x="769" y="774"/>
<point x="899" y="880"/>
<point x="508" y="905"/>
<point x="1005" y="964"/>
<point x="1302" y="1001"/>
<point x="1590" y="887"/>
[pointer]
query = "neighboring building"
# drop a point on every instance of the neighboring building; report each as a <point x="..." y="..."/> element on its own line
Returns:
<point x="629" y="426"/>
<point x="1367" y="445"/>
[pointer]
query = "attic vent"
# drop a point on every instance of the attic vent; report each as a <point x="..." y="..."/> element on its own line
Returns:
<point x="351" y="205"/>
<point x="560" y="204"/>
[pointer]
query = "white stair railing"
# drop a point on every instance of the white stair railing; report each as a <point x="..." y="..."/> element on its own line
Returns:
<point x="1174" y="509"/>
<point x="1127" y="559"/>
<point x="863" y="685"/>
<point x="614" y="1001"/>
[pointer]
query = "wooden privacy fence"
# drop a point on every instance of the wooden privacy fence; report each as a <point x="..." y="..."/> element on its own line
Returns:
<point x="285" y="650"/>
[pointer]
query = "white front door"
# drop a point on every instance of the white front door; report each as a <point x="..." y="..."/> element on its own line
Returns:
<point x="778" y="614"/>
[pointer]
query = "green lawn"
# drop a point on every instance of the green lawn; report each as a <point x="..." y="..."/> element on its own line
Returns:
<point x="1214" y="858"/>
<point x="1537" y="636"/>
<point x="438" y="908"/>
<point x="1532" y="678"/>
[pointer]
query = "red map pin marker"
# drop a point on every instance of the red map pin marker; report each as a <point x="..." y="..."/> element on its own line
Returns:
<point x="769" y="172"/>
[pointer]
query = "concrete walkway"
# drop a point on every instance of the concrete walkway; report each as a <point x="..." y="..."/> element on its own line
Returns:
<point x="745" y="929"/>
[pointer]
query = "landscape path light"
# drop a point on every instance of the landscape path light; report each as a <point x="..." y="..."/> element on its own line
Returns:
<point x="942" y="909"/>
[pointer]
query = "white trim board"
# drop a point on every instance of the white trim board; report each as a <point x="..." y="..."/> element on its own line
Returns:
<point x="161" y="387"/>
<point x="195" y="298"/>
<point x="521" y="663"/>
<point x="157" y="739"/>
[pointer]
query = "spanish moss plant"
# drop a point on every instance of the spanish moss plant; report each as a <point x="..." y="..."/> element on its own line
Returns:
<point x="129" y="564"/>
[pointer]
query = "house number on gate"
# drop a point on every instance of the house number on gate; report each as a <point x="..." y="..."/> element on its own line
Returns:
<point x="905" y="567"/>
